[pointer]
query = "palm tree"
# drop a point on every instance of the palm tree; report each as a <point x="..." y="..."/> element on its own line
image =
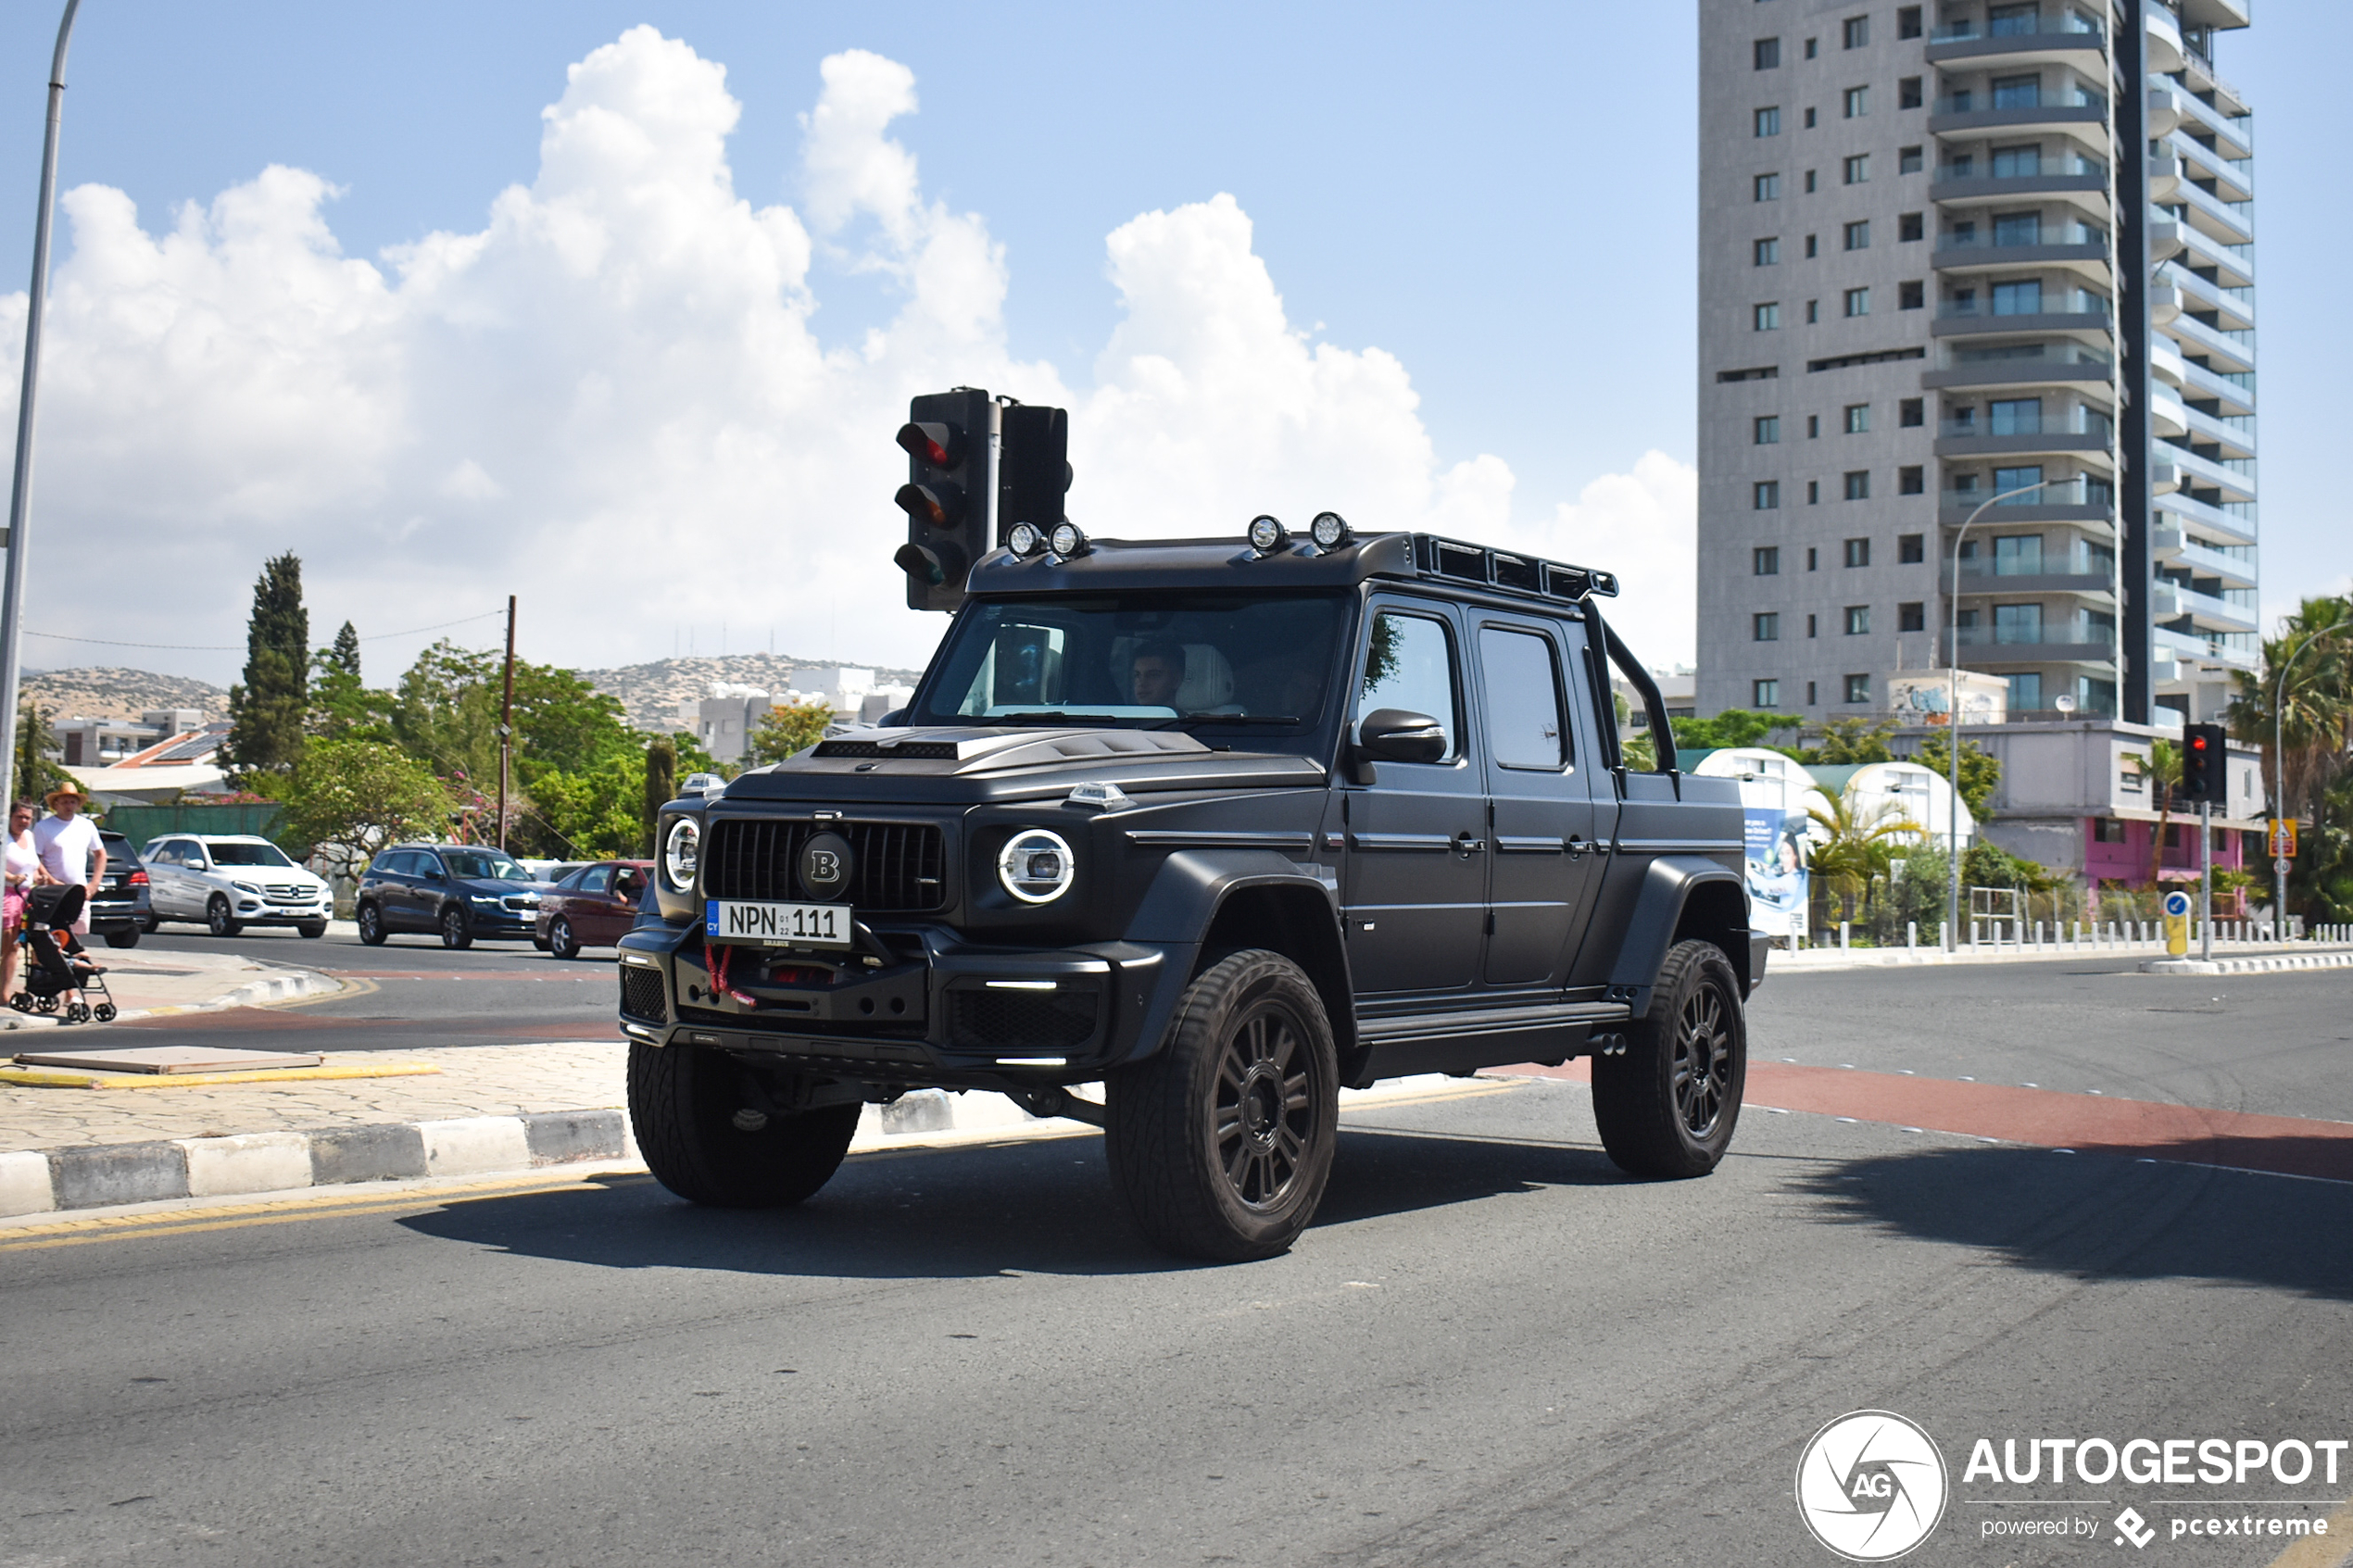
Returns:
<point x="1859" y="847"/>
<point x="2163" y="772"/>
<point x="2315" y="721"/>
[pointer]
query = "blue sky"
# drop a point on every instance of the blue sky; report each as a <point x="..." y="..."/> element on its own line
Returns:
<point x="1499" y="196"/>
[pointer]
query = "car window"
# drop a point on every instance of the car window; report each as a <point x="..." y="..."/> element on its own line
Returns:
<point x="192" y="854"/>
<point x="1409" y="664"/>
<point x="117" y="846"/>
<point x="163" y="852"/>
<point x="393" y="862"/>
<point x="595" y="879"/>
<point x="1524" y="725"/>
<point x="483" y="865"/>
<point x="236" y="854"/>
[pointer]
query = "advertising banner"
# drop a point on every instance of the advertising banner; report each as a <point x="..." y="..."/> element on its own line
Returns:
<point x="1776" y="856"/>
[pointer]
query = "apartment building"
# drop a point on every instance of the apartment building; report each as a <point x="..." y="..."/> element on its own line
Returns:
<point x="1971" y="252"/>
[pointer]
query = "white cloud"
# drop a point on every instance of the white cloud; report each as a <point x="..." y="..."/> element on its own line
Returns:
<point x="608" y="399"/>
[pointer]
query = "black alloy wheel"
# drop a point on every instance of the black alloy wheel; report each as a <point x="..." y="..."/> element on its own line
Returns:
<point x="563" y="941"/>
<point x="1668" y="1103"/>
<point x="218" y="919"/>
<point x="455" y="932"/>
<point x="371" y="925"/>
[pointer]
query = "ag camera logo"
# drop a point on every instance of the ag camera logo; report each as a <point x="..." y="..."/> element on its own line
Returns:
<point x="1871" y="1486"/>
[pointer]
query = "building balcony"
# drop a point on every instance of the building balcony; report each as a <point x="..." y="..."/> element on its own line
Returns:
<point x="2178" y="419"/>
<point x="2233" y="178"/>
<point x="2234" y="307"/>
<point x="2197" y="381"/>
<point x="1957" y="44"/>
<point x="2171" y="601"/>
<point x="1966" y="114"/>
<point x="2230" y="352"/>
<point x="2176" y="548"/>
<point x="2165" y="51"/>
<point x="2097" y="588"/>
<point x="1981" y="649"/>
<point x="2088" y="260"/>
<point x="2164" y="640"/>
<point x="2170" y="108"/>
<point x="2093" y="324"/>
<point x="2237" y="526"/>
<point x="2221" y="14"/>
<point x="2230" y="223"/>
<point x="2169" y="241"/>
<point x="2062" y="364"/>
<point x="2233" y="477"/>
<point x="2088" y="192"/>
<point x="1966" y="442"/>
<point x="2087" y="506"/>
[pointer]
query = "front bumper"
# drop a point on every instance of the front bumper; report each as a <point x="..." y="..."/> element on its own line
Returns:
<point x="929" y="1009"/>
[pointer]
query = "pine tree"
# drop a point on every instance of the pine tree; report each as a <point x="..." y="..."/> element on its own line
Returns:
<point x="267" y="710"/>
<point x="661" y="786"/>
<point x="346" y="653"/>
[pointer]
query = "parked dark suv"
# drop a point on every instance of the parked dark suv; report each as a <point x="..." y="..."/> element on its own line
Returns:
<point x="1224" y="825"/>
<point x="460" y="891"/>
<point x="120" y="912"/>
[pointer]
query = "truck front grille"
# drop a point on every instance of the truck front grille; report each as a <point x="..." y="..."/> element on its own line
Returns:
<point x="641" y="993"/>
<point x="896" y="868"/>
<point x="1019" y="1020"/>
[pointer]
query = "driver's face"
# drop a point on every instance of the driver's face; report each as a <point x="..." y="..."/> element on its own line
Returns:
<point x="1155" y="680"/>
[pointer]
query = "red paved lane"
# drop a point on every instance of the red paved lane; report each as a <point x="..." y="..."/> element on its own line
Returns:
<point x="2088" y="1123"/>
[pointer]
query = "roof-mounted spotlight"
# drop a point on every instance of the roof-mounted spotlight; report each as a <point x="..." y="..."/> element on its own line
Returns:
<point x="1066" y="541"/>
<point x="1024" y="539"/>
<point x="1329" y="530"/>
<point x="1267" y="535"/>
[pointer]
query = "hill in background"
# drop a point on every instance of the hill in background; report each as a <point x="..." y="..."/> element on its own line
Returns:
<point x="652" y="692"/>
<point x="114" y="693"/>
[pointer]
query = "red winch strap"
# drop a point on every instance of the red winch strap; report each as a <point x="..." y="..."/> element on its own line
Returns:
<point x="716" y="955"/>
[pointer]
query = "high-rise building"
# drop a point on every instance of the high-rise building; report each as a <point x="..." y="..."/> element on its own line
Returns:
<point x="1950" y="252"/>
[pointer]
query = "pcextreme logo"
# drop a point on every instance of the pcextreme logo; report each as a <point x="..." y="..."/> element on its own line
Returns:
<point x="1871" y="1486"/>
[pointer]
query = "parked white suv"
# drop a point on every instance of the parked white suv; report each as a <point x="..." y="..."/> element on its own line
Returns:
<point x="231" y="881"/>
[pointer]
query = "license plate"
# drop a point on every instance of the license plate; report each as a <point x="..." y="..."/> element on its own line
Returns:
<point x="777" y="925"/>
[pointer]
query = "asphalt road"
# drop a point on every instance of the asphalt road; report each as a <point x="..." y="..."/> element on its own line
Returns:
<point x="1490" y="1349"/>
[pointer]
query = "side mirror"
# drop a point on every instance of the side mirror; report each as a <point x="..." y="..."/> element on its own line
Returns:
<point x="1394" y="734"/>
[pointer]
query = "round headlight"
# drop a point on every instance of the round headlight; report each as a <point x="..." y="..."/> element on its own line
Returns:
<point x="1037" y="866"/>
<point x="1066" y="539"/>
<point x="1022" y="538"/>
<point x="1265" y="534"/>
<point x="1328" y="530"/>
<point x="679" y="852"/>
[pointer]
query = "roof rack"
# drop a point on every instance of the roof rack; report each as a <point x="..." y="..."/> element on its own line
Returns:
<point x="1435" y="557"/>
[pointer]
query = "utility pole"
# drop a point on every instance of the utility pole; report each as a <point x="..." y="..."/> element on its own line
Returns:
<point x="2206" y="879"/>
<point x="21" y="493"/>
<point x="1953" y="719"/>
<point x="506" y="724"/>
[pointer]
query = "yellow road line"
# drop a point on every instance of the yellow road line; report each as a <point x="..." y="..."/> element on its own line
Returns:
<point x="2322" y="1551"/>
<point x="46" y="1078"/>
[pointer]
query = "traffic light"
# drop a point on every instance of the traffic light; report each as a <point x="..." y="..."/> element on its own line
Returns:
<point x="950" y="439"/>
<point x="2206" y="753"/>
<point x="1035" y="469"/>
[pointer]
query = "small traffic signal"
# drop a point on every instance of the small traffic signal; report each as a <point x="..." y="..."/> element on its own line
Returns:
<point x="950" y="439"/>
<point x="2206" y="753"/>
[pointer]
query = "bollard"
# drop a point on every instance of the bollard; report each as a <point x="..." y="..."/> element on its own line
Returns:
<point x="1912" y="933"/>
<point x="1844" y="944"/>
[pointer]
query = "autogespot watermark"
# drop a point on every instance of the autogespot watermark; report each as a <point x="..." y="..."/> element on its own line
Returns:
<point x="1873" y="1484"/>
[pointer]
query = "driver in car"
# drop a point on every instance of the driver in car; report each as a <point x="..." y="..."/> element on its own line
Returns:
<point x="1156" y="673"/>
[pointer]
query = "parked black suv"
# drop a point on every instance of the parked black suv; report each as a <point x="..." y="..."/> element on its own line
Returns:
<point x="1225" y="826"/>
<point x="462" y="890"/>
<point x="120" y="912"/>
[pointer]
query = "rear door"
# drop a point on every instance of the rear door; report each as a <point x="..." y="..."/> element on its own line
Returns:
<point x="1544" y="862"/>
<point x="588" y="905"/>
<point x="1415" y="876"/>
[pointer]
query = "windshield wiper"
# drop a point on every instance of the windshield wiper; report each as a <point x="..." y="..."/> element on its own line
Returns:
<point x="1050" y="718"/>
<point x="1223" y="718"/>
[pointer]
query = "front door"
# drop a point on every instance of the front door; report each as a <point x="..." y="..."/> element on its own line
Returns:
<point x="1414" y="892"/>
<point x="588" y="905"/>
<point x="1545" y="862"/>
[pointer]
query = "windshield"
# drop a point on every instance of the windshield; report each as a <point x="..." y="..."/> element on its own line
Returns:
<point x="246" y="854"/>
<point x="483" y="865"/>
<point x="1191" y="660"/>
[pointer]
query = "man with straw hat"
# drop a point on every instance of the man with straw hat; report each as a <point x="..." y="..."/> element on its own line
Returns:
<point x="68" y="847"/>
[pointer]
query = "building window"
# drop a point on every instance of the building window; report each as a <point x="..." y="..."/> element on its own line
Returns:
<point x="2026" y="691"/>
<point x="1765" y="495"/>
<point x="1813" y="311"/>
<point x="2020" y="479"/>
<point x="1766" y="561"/>
<point x="2108" y="830"/>
<point x="1813" y="47"/>
<point x="1767" y="53"/>
<point x="1859" y="688"/>
<point x="1768" y="253"/>
<point x="1768" y="317"/>
<point x="1907" y="161"/>
<point x="2016" y="416"/>
<point x="2014" y="20"/>
<point x="1911" y="480"/>
<point x="1856" y="102"/>
<point x="1810" y="698"/>
<point x="1766" y="627"/>
<point x="1813" y="427"/>
<point x="1857" y="236"/>
<point x="1859" y="418"/>
<point x="1858" y="551"/>
<point x="1910" y="226"/>
<point x="1765" y="430"/>
<point x="1859" y="302"/>
<point x="1813" y="247"/>
<point x="1859" y="621"/>
<point x="1809" y="119"/>
<point x="1764" y="694"/>
<point x="1911" y="295"/>
<point x="1768" y="187"/>
<point x="1855" y="32"/>
<point x="1813" y="498"/>
<point x="1911" y="617"/>
<point x="1858" y="169"/>
<point x="1813" y="625"/>
<point x="1810" y="181"/>
<point x="2018" y="297"/>
<point x="2018" y="228"/>
<point x="1908" y="92"/>
<point x="1859" y="486"/>
<point x="1911" y="548"/>
<point x="2018" y="91"/>
<point x="2020" y="624"/>
<point x="1911" y="411"/>
<point x="1768" y="122"/>
<point x="1907" y="21"/>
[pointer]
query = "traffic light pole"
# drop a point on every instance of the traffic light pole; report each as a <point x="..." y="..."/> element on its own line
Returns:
<point x="2206" y="879"/>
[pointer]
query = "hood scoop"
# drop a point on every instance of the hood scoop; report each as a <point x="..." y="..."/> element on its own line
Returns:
<point x="975" y="749"/>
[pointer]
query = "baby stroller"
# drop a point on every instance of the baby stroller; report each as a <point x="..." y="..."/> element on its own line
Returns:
<point x="54" y="960"/>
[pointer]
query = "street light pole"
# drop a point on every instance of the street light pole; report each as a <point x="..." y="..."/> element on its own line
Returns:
<point x="20" y="493"/>
<point x="1953" y="721"/>
<point x="2279" y="788"/>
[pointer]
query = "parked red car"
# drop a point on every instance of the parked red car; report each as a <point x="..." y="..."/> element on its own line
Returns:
<point x="592" y="906"/>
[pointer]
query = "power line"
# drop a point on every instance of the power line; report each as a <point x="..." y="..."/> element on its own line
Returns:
<point x="233" y="648"/>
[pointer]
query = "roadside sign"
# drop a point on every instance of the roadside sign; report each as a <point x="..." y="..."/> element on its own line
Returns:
<point x="2177" y="922"/>
<point x="2284" y="838"/>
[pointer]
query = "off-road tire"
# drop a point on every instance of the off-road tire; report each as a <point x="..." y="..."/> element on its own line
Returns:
<point x="684" y="1102"/>
<point x="219" y="920"/>
<point x="561" y="940"/>
<point x="454" y="933"/>
<point x="1220" y="1143"/>
<point x="125" y="938"/>
<point x="370" y="921"/>
<point x="1668" y="1104"/>
<point x="310" y="930"/>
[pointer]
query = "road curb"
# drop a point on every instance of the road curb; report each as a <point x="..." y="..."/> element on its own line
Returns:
<point x="2277" y="964"/>
<point x="103" y="1175"/>
<point x="1831" y="960"/>
<point x="286" y="984"/>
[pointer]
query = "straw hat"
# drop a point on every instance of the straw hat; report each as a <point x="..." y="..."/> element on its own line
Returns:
<point x="62" y="791"/>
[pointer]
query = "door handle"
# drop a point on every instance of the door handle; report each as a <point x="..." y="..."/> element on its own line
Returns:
<point x="1576" y="847"/>
<point x="1465" y="844"/>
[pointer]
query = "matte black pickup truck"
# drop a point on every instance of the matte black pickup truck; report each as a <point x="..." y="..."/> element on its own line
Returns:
<point x="1224" y="825"/>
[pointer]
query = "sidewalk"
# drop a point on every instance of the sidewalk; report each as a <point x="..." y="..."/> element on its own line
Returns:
<point x="155" y="985"/>
<point x="1822" y="960"/>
